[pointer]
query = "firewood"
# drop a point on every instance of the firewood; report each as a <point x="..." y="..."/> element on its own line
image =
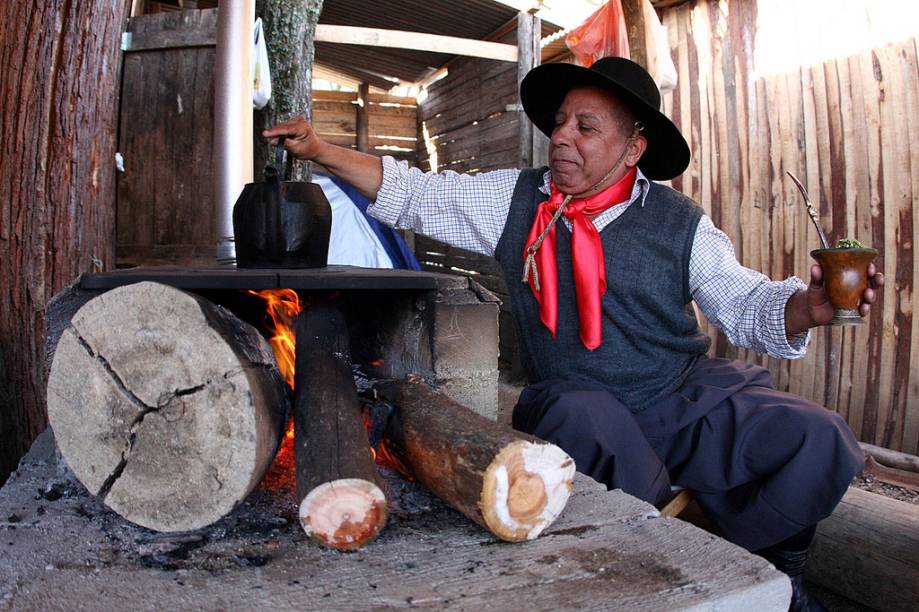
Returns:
<point x="866" y="551"/>
<point x="165" y="405"/>
<point x="511" y="484"/>
<point x="892" y="476"/>
<point x="341" y="503"/>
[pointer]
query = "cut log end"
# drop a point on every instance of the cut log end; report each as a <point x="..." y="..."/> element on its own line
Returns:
<point x="344" y="514"/>
<point x="525" y="488"/>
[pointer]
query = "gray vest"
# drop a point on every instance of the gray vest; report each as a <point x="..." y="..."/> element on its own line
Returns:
<point x="651" y="337"/>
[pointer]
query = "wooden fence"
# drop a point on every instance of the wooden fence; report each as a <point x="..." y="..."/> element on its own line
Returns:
<point x="845" y="126"/>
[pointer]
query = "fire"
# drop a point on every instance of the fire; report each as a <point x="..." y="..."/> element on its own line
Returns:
<point x="283" y="307"/>
<point x="382" y="455"/>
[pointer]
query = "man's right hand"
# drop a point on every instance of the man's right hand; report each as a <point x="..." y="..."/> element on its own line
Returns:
<point x="300" y="139"/>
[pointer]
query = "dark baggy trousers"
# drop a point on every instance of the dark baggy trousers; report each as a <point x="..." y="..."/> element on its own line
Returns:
<point x="763" y="464"/>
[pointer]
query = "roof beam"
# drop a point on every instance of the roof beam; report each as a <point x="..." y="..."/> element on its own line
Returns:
<point x="416" y="41"/>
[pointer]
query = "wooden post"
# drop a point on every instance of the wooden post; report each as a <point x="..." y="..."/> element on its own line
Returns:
<point x="513" y="485"/>
<point x="528" y="50"/>
<point x="341" y="503"/>
<point x="58" y="105"/>
<point x="634" y="13"/>
<point x="166" y="406"/>
<point x="363" y="123"/>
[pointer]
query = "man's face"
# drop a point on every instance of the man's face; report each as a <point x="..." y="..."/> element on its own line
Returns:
<point x="591" y="130"/>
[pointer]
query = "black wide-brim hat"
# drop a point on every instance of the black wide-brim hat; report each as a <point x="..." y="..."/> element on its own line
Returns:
<point x="544" y="89"/>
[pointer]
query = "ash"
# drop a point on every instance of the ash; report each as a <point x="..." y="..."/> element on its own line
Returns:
<point x="264" y="528"/>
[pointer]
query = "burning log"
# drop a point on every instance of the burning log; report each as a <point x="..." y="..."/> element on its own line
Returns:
<point x="341" y="503"/>
<point x="165" y="405"/>
<point x="511" y="484"/>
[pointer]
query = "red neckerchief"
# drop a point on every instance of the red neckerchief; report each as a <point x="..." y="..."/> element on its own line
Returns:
<point x="586" y="256"/>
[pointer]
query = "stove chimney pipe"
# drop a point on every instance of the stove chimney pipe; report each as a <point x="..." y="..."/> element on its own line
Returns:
<point x="232" y="116"/>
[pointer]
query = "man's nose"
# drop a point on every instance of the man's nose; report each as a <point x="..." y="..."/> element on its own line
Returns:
<point x="561" y="135"/>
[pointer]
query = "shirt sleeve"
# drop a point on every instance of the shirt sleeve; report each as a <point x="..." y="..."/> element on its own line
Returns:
<point x="743" y="303"/>
<point x="464" y="210"/>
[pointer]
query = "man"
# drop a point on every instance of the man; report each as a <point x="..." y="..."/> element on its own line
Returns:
<point x="609" y="263"/>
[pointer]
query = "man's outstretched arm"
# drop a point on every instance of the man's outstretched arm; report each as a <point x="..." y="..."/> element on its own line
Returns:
<point x="362" y="170"/>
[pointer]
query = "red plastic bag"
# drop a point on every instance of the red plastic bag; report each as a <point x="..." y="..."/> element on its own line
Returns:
<point x="602" y="34"/>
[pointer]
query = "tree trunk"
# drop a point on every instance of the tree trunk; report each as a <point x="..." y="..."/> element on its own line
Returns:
<point x="58" y="105"/>
<point x="341" y="503"/>
<point x="513" y="485"/>
<point x="168" y="407"/>
<point x="290" y="31"/>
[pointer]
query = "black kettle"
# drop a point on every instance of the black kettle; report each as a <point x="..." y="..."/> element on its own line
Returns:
<point x="281" y="224"/>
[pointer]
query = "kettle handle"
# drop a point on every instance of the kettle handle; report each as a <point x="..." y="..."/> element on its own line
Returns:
<point x="274" y="199"/>
<point x="279" y="155"/>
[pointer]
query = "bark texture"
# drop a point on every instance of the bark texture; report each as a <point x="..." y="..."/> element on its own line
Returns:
<point x="290" y="31"/>
<point x="59" y="73"/>
<point x="511" y="484"/>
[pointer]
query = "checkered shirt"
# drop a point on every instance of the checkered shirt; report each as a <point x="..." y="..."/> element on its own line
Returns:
<point x="469" y="211"/>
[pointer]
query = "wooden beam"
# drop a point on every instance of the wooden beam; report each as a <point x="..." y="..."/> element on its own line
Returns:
<point x="528" y="37"/>
<point x="416" y="41"/>
<point x="633" y="10"/>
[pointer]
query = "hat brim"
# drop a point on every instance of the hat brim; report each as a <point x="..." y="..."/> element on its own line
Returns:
<point x="544" y="88"/>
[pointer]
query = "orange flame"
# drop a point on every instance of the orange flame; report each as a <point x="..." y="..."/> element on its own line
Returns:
<point x="283" y="307"/>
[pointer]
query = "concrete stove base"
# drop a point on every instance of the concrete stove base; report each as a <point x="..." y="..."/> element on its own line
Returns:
<point x="61" y="549"/>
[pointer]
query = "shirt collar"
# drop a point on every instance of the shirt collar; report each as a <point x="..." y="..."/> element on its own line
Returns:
<point x="639" y="190"/>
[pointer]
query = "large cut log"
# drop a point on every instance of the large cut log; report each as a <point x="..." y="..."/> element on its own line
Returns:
<point x="165" y="405"/>
<point x="868" y="551"/>
<point x="513" y="485"/>
<point x="341" y="503"/>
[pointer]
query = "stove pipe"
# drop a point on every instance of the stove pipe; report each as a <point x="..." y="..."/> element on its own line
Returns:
<point x="232" y="117"/>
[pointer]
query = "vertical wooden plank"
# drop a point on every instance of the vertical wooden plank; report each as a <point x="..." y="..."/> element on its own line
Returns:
<point x="527" y="58"/>
<point x="833" y="170"/>
<point x="858" y="201"/>
<point x="804" y="370"/>
<point x="363" y="131"/>
<point x="870" y="218"/>
<point x="911" y="421"/>
<point x="634" y="14"/>
<point x="886" y="222"/>
<point x="898" y="237"/>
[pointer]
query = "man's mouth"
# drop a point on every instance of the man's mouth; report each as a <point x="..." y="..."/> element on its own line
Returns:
<point x="563" y="164"/>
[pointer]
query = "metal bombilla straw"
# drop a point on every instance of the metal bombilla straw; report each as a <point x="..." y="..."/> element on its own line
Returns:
<point x="810" y="209"/>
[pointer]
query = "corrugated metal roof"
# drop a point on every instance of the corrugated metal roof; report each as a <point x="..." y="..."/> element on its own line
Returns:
<point x="476" y="19"/>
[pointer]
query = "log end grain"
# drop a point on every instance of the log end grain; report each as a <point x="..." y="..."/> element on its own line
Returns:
<point x="164" y="405"/>
<point x="344" y="514"/>
<point x="525" y="488"/>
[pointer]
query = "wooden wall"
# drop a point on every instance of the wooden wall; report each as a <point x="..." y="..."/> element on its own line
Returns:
<point x="392" y="122"/>
<point x="464" y="124"/>
<point x="844" y="125"/>
<point x="165" y="211"/>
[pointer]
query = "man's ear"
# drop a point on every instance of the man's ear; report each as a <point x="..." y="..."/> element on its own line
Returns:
<point x="636" y="149"/>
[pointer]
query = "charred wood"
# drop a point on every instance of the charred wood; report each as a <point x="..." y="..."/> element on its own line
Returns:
<point x="341" y="503"/>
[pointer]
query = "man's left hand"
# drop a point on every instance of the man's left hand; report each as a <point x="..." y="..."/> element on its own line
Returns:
<point x="817" y="304"/>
